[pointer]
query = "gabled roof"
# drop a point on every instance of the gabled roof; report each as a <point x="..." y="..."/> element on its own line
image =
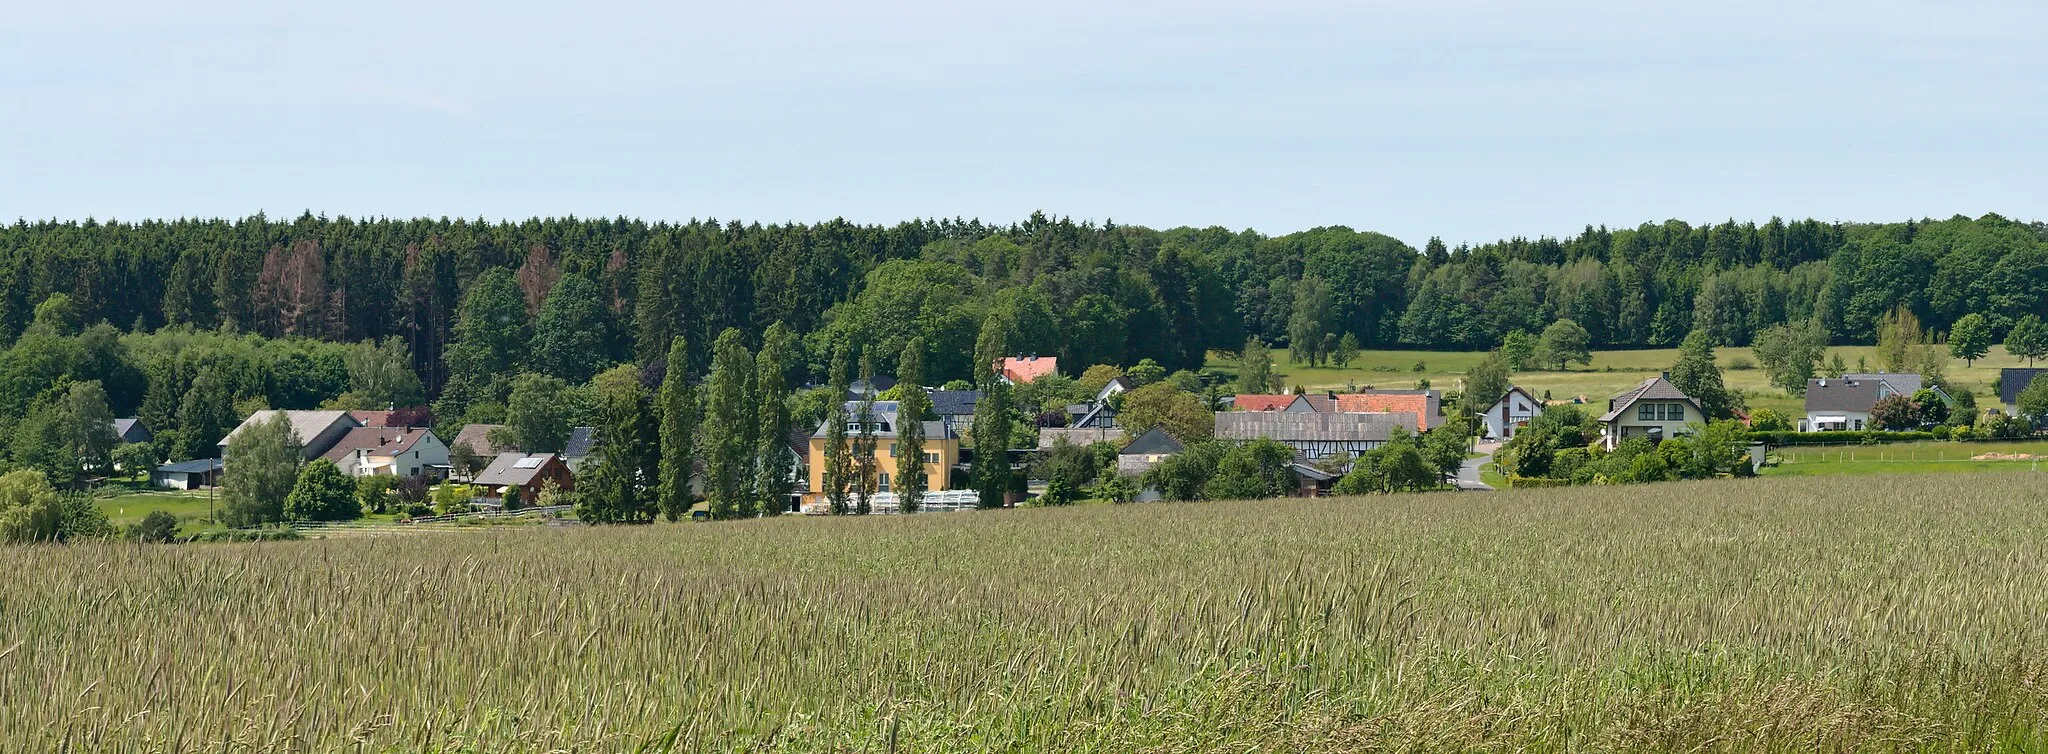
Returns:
<point x="1155" y="441"/>
<point x="1513" y="389"/>
<point x="1657" y="388"/>
<point x="1303" y="427"/>
<point x="1321" y="403"/>
<point x="2012" y="380"/>
<point x="1100" y="412"/>
<point x="372" y="418"/>
<point x="380" y="441"/>
<point x="125" y="428"/>
<point x="582" y="442"/>
<point x="196" y="466"/>
<point x="1903" y="383"/>
<point x="1264" y="402"/>
<point x="1424" y="404"/>
<point x="1022" y="369"/>
<point x="513" y="469"/>
<point x="1119" y="384"/>
<point x="954" y="402"/>
<point x="1843" y="394"/>
<point x="306" y="424"/>
<point x="477" y="437"/>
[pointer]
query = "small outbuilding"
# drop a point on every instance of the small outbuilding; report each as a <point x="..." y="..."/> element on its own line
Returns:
<point x="187" y="475"/>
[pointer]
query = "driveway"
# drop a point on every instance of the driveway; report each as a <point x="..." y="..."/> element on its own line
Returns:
<point x="1468" y="475"/>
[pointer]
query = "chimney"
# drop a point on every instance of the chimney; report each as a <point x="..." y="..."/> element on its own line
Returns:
<point x="1664" y="375"/>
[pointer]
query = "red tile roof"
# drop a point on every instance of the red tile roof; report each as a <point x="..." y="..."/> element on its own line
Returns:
<point x="1264" y="402"/>
<point x="1022" y="369"/>
<point x="1380" y="403"/>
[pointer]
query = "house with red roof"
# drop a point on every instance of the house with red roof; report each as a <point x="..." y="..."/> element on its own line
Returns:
<point x="1018" y="370"/>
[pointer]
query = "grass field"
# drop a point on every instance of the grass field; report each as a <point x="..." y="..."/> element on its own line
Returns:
<point x="1907" y="458"/>
<point x="191" y="507"/>
<point x="1611" y="372"/>
<point x="1903" y="614"/>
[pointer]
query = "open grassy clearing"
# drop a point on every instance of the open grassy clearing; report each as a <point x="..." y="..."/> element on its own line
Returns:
<point x="1907" y="458"/>
<point x="1750" y="615"/>
<point x="191" y="507"/>
<point x="1444" y="369"/>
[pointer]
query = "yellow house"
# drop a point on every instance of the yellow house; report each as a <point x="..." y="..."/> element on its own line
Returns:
<point x="941" y="453"/>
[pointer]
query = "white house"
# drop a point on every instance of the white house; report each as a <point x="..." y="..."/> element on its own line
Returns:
<point x="1844" y="403"/>
<point x="1654" y="408"/>
<point x="370" y="451"/>
<point x="1511" y="413"/>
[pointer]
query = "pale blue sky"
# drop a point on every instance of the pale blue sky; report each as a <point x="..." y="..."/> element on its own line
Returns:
<point x="1466" y="119"/>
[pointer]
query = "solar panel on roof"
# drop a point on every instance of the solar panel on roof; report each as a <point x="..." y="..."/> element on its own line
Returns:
<point x="526" y="463"/>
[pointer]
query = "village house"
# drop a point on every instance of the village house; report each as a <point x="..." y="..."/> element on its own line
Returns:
<point x="1083" y="436"/>
<point x="1844" y="403"/>
<point x="370" y="451"/>
<point x="1113" y="388"/>
<point x="1140" y="455"/>
<point x="1426" y="405"/>
<point x="2011" y="381"/>
<point x="131" y="431"/>
<point x="580" y="449"/>
<point x="955" y="408"/>
<point x="1314" y="436"/>
<point x="1018" y="370"/>
<point x="317" y="431"/>
<point x="1653" y="409"/>
<point x="941" y="453"/>
<point x="477" y="437"/>
<point x="1510" y="414"/>
<point x="530" y="472"/>
<point x="1272" y="403"/>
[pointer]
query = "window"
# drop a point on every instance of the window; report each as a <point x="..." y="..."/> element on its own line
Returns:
<point x="882" y="482"/>
<point x="931" y="458"/>
<point x="1859" y="424"/>
<point x="1646" y="412"/>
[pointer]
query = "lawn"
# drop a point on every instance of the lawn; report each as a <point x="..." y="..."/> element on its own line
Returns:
<point x="191" y="507"/>
<point x="1611" y="372"/>
<point x="1906" y="458"/>
<point x="1898" y="614"/>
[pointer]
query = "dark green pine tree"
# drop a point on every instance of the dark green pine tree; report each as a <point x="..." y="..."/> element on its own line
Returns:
<point x="616" y="488"/>
<point x="911" y="406"/>
<point x="204" y="417"/>
<point x="678" y="442"/>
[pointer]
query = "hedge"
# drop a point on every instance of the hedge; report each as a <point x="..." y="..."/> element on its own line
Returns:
<point x="1537" y="482"/>
<point x="1851" y="437"/>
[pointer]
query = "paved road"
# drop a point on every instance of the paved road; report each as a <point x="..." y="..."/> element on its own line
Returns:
<point x="1468" y="475"/>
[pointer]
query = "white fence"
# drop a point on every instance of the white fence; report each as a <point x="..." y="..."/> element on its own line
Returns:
<point x="934" y="502"/>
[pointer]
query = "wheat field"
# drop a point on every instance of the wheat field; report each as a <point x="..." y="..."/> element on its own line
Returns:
<point x="1891" y="614"/>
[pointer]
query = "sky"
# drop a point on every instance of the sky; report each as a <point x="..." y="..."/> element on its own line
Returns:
<point x="1464" y="119"/>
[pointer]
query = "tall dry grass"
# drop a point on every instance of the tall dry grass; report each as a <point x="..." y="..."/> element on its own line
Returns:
<point x="1894" y="614"/>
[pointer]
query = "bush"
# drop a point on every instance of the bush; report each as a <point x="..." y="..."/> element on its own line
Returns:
<point x="265" y="534"/>
<point x="158" y="526"/>
<point x="1741" y="364"/>
<point x="1536" y="482"/>
<point x="1865" y="437"/>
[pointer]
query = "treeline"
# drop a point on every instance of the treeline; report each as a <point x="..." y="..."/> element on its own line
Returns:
<point x="1088" y="293"/>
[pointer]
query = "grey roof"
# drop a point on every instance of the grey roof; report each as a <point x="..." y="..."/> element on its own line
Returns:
<point x="506" y="471"/>
<point x="885" y="413"/>
<point x="582" y="442"/>
<point x="131" y="428"/>
<point x="1048" y="436"/>
<point x="1844" y="394"/>
<point x="1101" y="413"/>
<point x="306" y="424"/>
<point x="1305" y="427"/>
<point x="954" y="402"/>
<point x="1657" y="388"/>
<point x="1155" y="441"/>
<point x="1906" y="383"/>
<point x="196" y="466"/>
<point x="2014" y="379"/>
<point x="859" y="388"/>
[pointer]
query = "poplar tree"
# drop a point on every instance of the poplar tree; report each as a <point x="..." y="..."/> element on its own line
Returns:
<point x="723" y="437"/>
<point x="678" y="421"/>
<point x="991" y="416"/>
<point x="864" y="443"/>
<point x="771" y="402"/>
<point x="911" y="405"/>
<point x="838" y="462"/>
